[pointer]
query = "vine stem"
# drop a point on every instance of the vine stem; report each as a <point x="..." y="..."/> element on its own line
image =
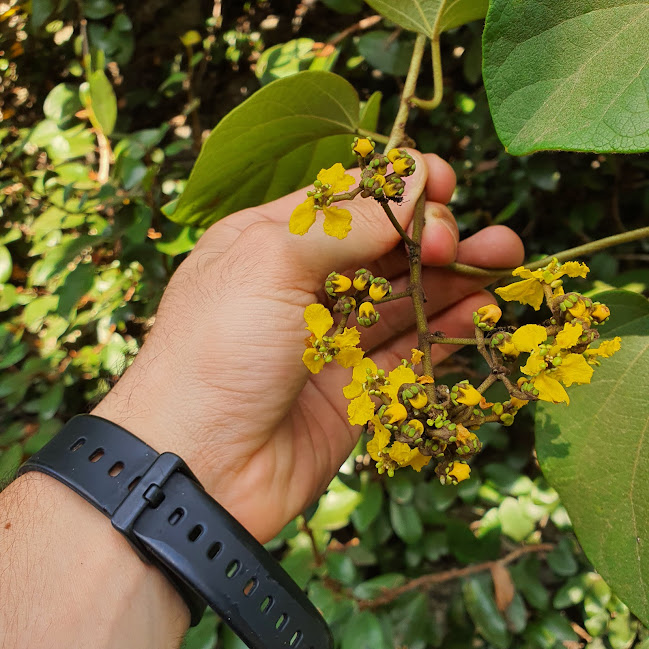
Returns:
<point x="426" y="581"/>
<point x="398" y="133"/>
<point x="438" y="80"/>
<point x="377" y="137"/>
<point x="565" y="255"/>
<point x="397" y="226"/>
<point x="443" y="340"/>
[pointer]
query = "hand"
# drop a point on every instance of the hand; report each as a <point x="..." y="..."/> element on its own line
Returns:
<point x="220" y="380"/>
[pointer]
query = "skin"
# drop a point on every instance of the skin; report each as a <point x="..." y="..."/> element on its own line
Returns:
<point x="221" y="383"/>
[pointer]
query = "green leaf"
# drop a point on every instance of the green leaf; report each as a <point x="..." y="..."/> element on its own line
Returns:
<point x="341" y="568"/>
<point x="9" y="462"/>
<point x="62" y="103"/>
<point x="369" y="507"/>
<point x="102" y="101"/>
<point x="284" y="59"/>
<point x="594" y="454"/>
<point x="514" y="520"/>
<point x="562" y="560"/>
<point x="406" y="522"/>
<point x="335" y="507"/>
<point x="430" y="17"/>
<point x="238" y="162"/>
<point x="525" y="574"/>
<point x="569" y="75"/>
<point x="378" y="585"/>
<point x="6" y="264"/>
<point x="383" y="52"/>
<point x="363" y="631"/>
<point x="481" y="605"/>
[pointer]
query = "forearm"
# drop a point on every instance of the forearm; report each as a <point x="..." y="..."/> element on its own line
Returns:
<point x="68" y="579"/>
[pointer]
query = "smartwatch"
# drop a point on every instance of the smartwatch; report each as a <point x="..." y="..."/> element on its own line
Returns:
<point x="157" y="503"/>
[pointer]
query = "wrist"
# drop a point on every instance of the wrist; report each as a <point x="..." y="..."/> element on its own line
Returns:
<point x="86" y="582"/>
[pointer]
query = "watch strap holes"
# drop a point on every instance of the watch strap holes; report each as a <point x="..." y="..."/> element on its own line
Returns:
<point x="266" y="604"/>
<point x="95" y="456"/>
<point x="116" y="469"/>
<point x="78" y="444"/>
<point x="134" y="482"/>
<point x="250" y="587"/>
<point x="214" y="550"/>
<point x="282" y="621"/>
<point x="295" y="639"/>
<point x="176" y="515"/>
<point x="232" y="569"/>
<point x="195" y="533"/>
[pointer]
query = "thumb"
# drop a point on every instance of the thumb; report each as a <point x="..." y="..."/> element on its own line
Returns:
<point x="371" y="236"/>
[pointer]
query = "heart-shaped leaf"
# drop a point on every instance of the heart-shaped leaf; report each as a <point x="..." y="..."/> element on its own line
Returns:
<point x="430" y="17"/>
<point x="594" y="453"/>
<point x="242" y="163"/>
<point x="568" y="75"/>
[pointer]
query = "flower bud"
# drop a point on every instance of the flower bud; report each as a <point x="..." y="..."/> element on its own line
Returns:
<point x="503" y="343"/>
<point x="379" y="288"/>
<point x="395" y="413"/>
<point x="466" y="394"/>
<point x="395" y="154"/>
<point x="337" y="283"/>
<point x="363" y="146"/>
<point x="346" y="304"/>
<point x="367" y="315"/>
<point x="486" y="317"/>
<point x="362" y="278"/>
<point x="394" y="186"/>
<point x="457" y="471"/>
<point x="600" y="312"/>
<point x="404" y="166"/>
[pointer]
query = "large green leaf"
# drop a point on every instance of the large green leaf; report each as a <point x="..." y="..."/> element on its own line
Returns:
<point x="430" y="17"/>
<point x="594" y="453"/>
<point x="568" y="75"/>
<point x="241" y="160"/>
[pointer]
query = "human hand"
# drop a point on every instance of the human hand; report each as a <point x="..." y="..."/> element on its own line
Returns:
<point x="220" y="380"/>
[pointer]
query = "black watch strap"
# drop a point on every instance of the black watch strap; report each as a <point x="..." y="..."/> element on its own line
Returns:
<point x="158" y="504"/>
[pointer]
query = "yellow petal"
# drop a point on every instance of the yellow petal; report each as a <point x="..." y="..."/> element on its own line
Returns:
<point x="363" y="147"/>
<point x="550" y="389"/>
<point x="535" y="364"/>
<point x="349" y="357"/>
<point x="416" y="357"/>
<point x="359" y="376"/>
<point x="569" y="335"/>
<point x="469" y="396"/>
<point x="360" y="410"/>
<point x="573" y="269"/>
<point x="337" y="222"/>
<point x="348" y="338"/>
<point x="396" y="413"/>
<point x="508" y="348"/>
<point x="527" y="291"/>
<point x="396" y="378"/>
<point x="318" y="319"/>
<point x="337" y="178"/>
<point x="529" y="337"/>
<point x="460" y="471"/>
<point x="354" y="389"/>
<point x="313" y="365"/>
<point x="606" y="349"/>
<point x="380" y="440"/>
<point x="573" y="369"/>
<point x="419" y="461"/>
<point x="303" y="217"/>
<point x="402" y="454"/>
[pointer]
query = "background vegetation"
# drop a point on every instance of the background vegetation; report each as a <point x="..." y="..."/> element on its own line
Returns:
<point x="89" y="155"/>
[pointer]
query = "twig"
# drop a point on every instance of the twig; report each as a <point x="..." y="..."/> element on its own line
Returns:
<point x="438" y="80"/>
<point x="318" y="558"/>
<point x="103" y="172"/>
<point x="427" y="581"/>
<point x="366" y="23"/>
<point x="564" y="255"/>
<point x="397" y="226"/>
<point x="433" y="339"/>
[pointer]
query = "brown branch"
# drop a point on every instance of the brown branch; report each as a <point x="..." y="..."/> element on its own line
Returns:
<point x="427" y="581"/>
<point x="366" y="23"/>
<point x="318" y="557"/>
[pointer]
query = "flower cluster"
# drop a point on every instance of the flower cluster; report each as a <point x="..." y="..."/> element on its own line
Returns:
<point x="413" y="422"/>
<point x="333" y="184"/>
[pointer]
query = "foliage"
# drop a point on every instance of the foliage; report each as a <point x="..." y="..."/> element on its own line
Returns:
<point x="101" y="126"/>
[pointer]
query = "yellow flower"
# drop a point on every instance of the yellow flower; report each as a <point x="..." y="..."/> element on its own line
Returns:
<point x="530" y="289"/>
<point x="396" y="413"/>
<point x="395" y="154"/>
<point x="379" y="289"/>
<point x="403" y="455"/>
<point x="396" y="378"/>
<point x="337" y="221"/>
<point x="487" y="316"/>
<point x="361" y="408"/>
<point x="363" y="146"/>
<point x="459" y="471"/>
<point x="321" y="349"/>
<point x="524" y="339"/>
<point x="550" y="366"/>
<point x="380" y="440"/>
<point x="467" y="394"/>
<point x="367" y="314"/>
<point x="606" y="349"/>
